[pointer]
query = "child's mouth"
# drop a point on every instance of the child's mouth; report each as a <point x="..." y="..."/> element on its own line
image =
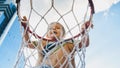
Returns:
<point x="55" y="32"/>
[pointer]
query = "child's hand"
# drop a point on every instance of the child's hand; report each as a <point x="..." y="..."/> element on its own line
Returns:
<point x="24" y="24"/>
<point x="85" y="26"/>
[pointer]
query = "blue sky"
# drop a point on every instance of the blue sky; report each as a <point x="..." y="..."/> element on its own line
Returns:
<point x="10" y="46"/>
<point x="103" y="51"/>
<point x="104" y="48"/>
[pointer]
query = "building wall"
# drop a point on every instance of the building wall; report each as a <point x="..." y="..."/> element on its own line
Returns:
<point x="10" y="35"/>
<point x="7" y="9"/>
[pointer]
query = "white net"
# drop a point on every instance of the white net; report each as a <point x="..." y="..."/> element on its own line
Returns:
<point x="37" y="49"/>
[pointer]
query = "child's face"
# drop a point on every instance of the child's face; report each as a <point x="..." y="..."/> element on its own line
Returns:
<point x="55" y="31"/>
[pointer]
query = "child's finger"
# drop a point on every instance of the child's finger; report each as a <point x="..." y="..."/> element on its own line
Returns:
<point x="24" y="24"/>
<point x="24" y="18"/>
<point x="87" y="24"/>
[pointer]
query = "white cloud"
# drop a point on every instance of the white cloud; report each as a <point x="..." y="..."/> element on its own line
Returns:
<point x="102" y="5"/>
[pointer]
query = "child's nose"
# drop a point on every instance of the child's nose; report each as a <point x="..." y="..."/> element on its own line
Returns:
<point x="54" y="28"/>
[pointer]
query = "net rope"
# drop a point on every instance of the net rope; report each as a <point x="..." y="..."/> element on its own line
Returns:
<point x="28" y="60"/>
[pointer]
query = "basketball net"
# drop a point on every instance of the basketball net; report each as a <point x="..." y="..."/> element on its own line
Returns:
<point x="40" y="13"/>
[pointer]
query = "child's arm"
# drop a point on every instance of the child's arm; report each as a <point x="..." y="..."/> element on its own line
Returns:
<point x="24" y="24"/>
<point x="31" y="44"/>
<point x="85" y="40"/>
<point x="26" y="35"/>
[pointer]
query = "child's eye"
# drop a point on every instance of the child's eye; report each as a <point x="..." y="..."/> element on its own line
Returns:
<point x="57" y="27"/>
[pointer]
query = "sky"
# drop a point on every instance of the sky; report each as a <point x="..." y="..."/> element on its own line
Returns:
<point x="104" y="48"/>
